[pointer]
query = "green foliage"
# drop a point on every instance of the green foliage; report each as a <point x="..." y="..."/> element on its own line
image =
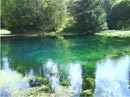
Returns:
<point x="75" y="16"/>
<point x="24" y="15"/>
<point x="120" y="16"/>
<point x="86" y="93"/>
<point x="45" y="88"/>
<point x="88" y="83"/>
<point x="89" y="16"/>
<point x="65" y="83"/>
<point x="34" y="15"/>
<point x="60" y="15"/>
<point x="41" y="79"/>
<point x="107" y="5"/>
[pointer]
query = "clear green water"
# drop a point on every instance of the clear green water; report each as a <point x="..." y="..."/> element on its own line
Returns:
<point x="31" y="53"/>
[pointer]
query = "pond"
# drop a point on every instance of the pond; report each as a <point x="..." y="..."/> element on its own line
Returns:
<point x="70" y="56"/>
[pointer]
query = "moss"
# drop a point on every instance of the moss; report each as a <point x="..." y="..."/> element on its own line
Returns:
<point x="45" y="88"/>
<point x="88" y="83"/>
<point x="41" y="79"/>
<point x="86" y="93"/>
<point x="65" y="83"/>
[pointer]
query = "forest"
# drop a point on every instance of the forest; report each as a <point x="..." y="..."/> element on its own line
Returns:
<point x="75" y="16"/>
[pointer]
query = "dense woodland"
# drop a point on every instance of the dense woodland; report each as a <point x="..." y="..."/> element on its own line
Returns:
<point x="77" y="16"/>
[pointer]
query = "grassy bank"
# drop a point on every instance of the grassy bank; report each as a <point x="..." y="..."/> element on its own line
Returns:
<point x="114" y="33"/>
<point x="3" y="31"/>
<point x="106" y="33"/>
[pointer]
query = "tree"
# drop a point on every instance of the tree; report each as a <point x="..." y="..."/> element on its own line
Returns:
<point x="34" y="15"/>
<point x="107" y="6"/>
<point x="24" y="15"/>
<point x="120" y="16"/>
<point x="89" y="16"/>
<point x="57" y="13"/>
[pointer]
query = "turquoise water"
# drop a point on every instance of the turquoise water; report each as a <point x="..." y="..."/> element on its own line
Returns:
<point x="31" y="53"/>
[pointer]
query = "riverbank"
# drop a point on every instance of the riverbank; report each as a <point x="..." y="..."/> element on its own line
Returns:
<point x="114" y="33"/>
<point x="106" y="33"/>
<point x="6" y="34"/>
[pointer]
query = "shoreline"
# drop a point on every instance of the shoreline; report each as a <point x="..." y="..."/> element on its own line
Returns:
<point x="106" y="33"/>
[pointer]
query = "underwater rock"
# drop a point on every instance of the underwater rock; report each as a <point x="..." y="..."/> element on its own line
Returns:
<point x="34" y="83"/>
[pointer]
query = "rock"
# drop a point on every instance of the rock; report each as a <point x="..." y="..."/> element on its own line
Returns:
<point x="35" y="83"/>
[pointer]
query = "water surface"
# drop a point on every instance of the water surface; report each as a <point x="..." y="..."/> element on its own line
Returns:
<point x="25" y="54"/>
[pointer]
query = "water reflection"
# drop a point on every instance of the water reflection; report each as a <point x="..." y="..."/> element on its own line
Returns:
<point x="31" y="53"/>
<point x="112" y="78"/>
<point x="75" y="76"/>
<point x="11" y="81"/>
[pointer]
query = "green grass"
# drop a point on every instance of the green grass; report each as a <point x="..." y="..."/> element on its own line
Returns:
<point x="114" y="33"/>
<point x="3" y="31"/>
